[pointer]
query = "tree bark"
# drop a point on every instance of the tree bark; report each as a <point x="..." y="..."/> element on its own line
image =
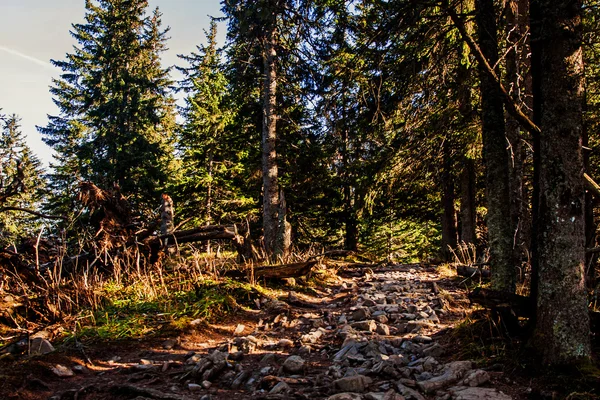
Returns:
<point x="468" y="212"/>
<point x="449" y="229"/>
<point x="495" y="156"/>
<point x="562" y="321"/>
<point x="269" y="139"/>
<point x="517" y="84"/>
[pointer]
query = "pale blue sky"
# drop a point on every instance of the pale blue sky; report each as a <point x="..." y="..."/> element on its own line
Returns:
<point x="34" y="31"/>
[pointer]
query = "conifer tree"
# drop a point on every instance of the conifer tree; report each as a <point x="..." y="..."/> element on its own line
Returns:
<point x="21" y="183"/>
<point x="116" y="119"/>
<point x="211" y="158"/>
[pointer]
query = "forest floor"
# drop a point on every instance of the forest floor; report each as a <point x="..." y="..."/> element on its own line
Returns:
<point x="390" y="333"/>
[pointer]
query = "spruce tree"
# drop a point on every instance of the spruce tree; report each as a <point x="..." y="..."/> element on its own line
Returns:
<point x="21" y="183"/>
<point x="209" y="190"/>
<point x="116" y="119"/>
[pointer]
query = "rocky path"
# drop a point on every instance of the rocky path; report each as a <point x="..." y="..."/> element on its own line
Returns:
<point x="376" y="336"/>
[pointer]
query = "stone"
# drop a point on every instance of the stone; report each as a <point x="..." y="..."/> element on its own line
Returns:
<point x="361" y="313"/>
<point x="369" y="303"/>
<point x="281" y="387"/>
<point x="408" y="393"/>
<point x="239" y="329"/>
<point x="285" y="343"/>
<point x="345" y="396"/>
<point x="312" y="337"/>
<point x="80" y="369"/>
<point x="62" y="372"/>
<point x="433" y="350"/>
<point x="383" y="329"/>
<point x="294" y="365"/>
<point x="194" y="387"/>
<point x="476" y="378"/>
<point x="40" y="346"/>
<point x="422" y="339"/>
<point x="369" y="326"/>
<point x="267" y="358"/>
<point x="476" y="393"/>
<point x="240" y="379"/>
<point x="206" y="384"/>
<point x="355" y="383"/>
<point x="247" y="344"/>
<point x="236" y="356"/>
<point x="452" y="373"/>
<point x="170" y="344"/>
<point x="342" y="320"/>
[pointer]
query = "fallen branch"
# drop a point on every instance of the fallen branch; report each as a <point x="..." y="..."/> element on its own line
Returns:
<point x="497" y="300"/>
<point x="470" y="272"/>
<point x="284" y="271"/>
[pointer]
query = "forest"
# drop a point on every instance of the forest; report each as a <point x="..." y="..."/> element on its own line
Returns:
<point x="395" y="199"/>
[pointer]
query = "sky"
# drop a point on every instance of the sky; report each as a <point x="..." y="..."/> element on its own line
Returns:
<point x="34" y="31"/>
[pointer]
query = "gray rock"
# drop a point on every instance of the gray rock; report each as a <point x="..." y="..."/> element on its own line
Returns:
<point x="383" y="329"/>
<point x="356" y="383"/>
<point x="280" y="388"/>
<point x="294" y="365"/>
<point x="345" y="396"/>
<point x="206" y="384"/>
<point x="370" y="326"/>
<point x="267" y="358"/>
<point x="361" y="313"/>
<point x="476" y="378"/>
<point x="452" y="373"/>
<point x="170" y="344"/>
<point x="422" y="339"/>
<point x="408" y="393"/>
<point x="433" y="350"/>
<point x="240" y="379"/>
<point x="62" y="372"/>
<point x="194" y="387"/>
<point x="476" y="393"/>
<point x="39" y="346"/>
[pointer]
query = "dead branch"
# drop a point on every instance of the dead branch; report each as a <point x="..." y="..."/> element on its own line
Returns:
<point x="36" y="213"/>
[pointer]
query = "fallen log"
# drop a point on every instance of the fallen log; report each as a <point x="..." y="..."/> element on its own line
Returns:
<point x="294" y="270"/>
<point x="471" y="272"/>
<point x="494" y="299"/>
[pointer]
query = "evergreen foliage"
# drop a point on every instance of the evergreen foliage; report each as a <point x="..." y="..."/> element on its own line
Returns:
<point x="116" y="119"/>
<point x="22" y="184"/>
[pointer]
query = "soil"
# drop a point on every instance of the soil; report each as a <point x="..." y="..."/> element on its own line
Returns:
<point x="151" y="369"/>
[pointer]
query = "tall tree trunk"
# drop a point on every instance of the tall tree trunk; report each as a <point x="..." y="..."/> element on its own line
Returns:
<point x="449" y="230"/>
<point x="562" y="326"/>
<point x="516" y="28"/>
<point x="468" y="207"/>
<point x="269" y="153"/>
<point x="468" y="212"/>
<point x="495" y="156"/>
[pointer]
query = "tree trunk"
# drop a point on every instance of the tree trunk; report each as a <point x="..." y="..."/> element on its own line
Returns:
<point x="516" y="28"/>
<point x="468" y="212"/>
<point x="269" y="153"/>
<point x="449" y="230"/>
<point x="562" y="326"/>
<point x="495" y="156"/>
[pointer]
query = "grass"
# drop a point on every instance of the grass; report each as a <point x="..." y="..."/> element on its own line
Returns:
<point x="129" y="313"/>
<point x="134" y="300"/>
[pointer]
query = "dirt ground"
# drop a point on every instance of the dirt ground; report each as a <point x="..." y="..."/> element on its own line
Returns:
<point x="410" y="312"/>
